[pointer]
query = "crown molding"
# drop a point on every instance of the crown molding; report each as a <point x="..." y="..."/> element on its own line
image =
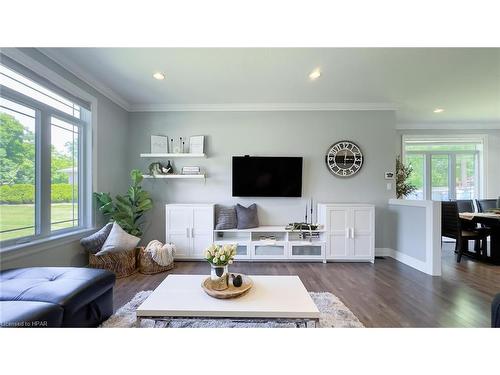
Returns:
<point x="59" y="58"/>
<point x="262" y="107"/>
<point x="472" y="125"/>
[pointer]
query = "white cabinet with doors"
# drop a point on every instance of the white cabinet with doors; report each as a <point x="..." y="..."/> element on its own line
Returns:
<point x="190" y="228"/>
<point x="350" y="231"/>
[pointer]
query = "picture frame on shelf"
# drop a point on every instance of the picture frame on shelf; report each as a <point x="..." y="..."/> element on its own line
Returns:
<point x="196" y="144"/>
<point x="159" y="144"/>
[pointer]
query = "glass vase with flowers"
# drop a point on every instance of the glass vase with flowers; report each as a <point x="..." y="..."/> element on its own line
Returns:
<point x="220" y="257"/>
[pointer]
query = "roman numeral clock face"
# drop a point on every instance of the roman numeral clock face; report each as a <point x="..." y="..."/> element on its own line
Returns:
<point x="344" y="159"/>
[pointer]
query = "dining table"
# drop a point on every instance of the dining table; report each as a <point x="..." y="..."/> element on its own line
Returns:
<point x="492" y="221"/>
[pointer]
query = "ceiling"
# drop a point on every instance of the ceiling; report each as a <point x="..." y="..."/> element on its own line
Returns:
<point x="465" y="82"/>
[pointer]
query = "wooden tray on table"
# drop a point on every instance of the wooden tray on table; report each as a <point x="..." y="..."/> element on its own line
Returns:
<point x="232" y="291"/>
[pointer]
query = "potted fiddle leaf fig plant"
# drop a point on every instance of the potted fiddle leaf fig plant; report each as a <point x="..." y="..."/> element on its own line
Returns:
<point x="127" y="210"/>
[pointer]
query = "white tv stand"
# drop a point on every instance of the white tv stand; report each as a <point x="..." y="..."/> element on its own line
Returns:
<point x="274" y="243"/>
<point x="346" y="234"/>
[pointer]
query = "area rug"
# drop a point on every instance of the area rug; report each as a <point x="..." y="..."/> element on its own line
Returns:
<point x="333" y="314"/>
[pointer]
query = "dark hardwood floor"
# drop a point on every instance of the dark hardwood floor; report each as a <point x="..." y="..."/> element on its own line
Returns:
<point x="385" y="294"/>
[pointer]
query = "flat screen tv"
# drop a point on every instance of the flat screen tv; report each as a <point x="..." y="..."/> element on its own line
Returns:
<point x="256" y="176"/>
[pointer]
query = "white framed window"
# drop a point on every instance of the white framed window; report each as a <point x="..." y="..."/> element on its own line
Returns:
<point x="45" y="173"/>
<point x="446" y="167"/>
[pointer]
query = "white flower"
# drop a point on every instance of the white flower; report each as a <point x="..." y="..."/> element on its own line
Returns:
<point x="230" y="261"/>
<point x="211" y="249"/>
<point x="222" y="258"/>
<point x="215" y="260"/>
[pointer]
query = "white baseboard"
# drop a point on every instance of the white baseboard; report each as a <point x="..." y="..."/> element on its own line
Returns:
<point x="410" y="261"/>
<point x="403" y="258"/>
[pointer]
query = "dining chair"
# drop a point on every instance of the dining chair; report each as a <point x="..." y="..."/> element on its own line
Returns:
<point x="483" y="205"/>
<point x="451" y="226"/>
<point x="467" y="205"/>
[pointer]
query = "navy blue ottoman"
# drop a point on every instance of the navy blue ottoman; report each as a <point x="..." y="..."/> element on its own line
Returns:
<point x="55" y="297"/>
<point x="495" y="312"/>
<point x="30" y="314"/>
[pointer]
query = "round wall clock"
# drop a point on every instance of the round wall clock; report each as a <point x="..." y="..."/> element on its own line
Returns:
<point x="344" y="159"/>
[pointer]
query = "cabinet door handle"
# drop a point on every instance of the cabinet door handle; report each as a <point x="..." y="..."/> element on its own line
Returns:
<point x="346" y="232"/>
<point x="187" y="232"/>
<point x="192" y="232"/>
<point x="352" y="232"/>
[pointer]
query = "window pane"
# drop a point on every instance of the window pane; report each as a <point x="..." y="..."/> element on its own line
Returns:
<point x="26" y="86"/>
<point x="64" y="174"/>
<point x="466" y="176"/>
<point x="417" y="176"/>
<point x="439" y="177"/>
<point x="17" y="170"/>
<point x="441" y="147"/>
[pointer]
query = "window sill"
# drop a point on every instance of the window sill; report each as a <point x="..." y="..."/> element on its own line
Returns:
<point x="35" y="246"/>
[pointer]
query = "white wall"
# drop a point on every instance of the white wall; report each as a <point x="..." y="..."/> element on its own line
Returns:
<point x="306" y="134"/>
<point x="112" y="173"/>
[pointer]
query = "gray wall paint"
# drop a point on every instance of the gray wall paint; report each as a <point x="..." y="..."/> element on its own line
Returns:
<point x="66" y="254"/>
<point x="306" y="134"/>
<point x="409" y="228"/>
<point x="112" y="170"/>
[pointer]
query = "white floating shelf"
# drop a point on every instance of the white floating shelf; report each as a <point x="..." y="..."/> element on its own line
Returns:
<point x="186" y="176"/>
<point x="167" y="155"/>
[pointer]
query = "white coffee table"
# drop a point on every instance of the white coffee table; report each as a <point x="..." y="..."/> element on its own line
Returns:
<point x="282" y="298"/>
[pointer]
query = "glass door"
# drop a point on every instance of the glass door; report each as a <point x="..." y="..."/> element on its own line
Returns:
<point x="445" y="167"/>
<point x="440" y="177"/>
<point x="466" y="176"/>
<point x="417" y="178"/>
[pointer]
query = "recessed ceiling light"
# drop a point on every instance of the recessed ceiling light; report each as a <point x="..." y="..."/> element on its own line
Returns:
<point x="159" y="76"/>
<point x="438" y="110"/>
<point x="315" y="74"/>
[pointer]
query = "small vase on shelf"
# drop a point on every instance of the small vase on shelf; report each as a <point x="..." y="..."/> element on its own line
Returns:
<point x="169" y="168"/>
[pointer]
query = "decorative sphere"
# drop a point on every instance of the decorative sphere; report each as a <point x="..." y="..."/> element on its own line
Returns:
<point x="238" y="281"/>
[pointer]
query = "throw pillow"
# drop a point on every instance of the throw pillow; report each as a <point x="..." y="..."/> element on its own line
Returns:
<point x="94" y="242"/>
<point x="247" y="216"/>
<point x="118" y="240"/>
<point x="225" y="217"/>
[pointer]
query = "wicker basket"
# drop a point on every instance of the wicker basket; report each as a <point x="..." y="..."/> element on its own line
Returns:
<point x="122" y="263"/>
<point x="148" y="266"/>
